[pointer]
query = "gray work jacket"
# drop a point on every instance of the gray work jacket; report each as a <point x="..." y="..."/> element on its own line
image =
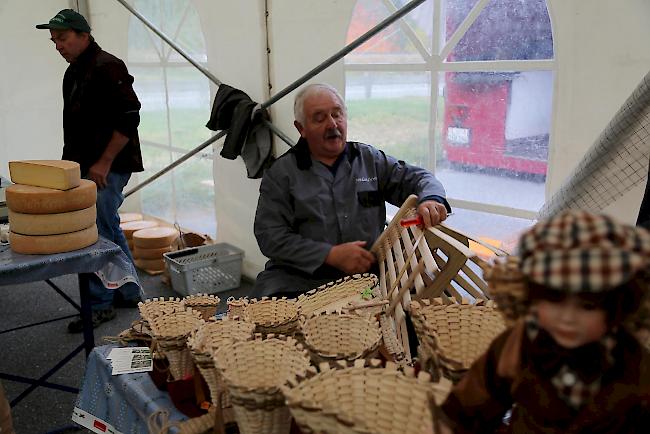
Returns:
<point x="304" y="209"/>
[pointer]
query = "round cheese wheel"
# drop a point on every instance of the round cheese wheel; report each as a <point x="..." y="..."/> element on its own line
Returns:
<point x="48" y="244"/>
<point x="141" y="253"/>
<point x="130" y="217"/>
<point x="130" y="227"/>
<point x="52" y="224"/>
<point x="154" y="238"/>
<point x="27" y="199"/>
<point x="150" y="264"/>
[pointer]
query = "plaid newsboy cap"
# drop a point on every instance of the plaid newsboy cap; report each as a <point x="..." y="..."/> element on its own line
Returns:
<point x="576" y="251"/>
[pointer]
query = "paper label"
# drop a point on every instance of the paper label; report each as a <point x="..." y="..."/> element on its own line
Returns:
<point x="130" y="360"/>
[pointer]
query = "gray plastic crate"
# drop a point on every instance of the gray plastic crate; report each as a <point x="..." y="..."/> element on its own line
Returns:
<point x="205" y="269"/>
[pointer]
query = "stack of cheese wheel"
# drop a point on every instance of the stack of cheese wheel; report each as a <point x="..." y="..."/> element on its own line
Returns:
<point x="150" y="244"/>
<point x="130" y="217"/>
<point x="51" y="209"/>
<point x="129" y="228"/>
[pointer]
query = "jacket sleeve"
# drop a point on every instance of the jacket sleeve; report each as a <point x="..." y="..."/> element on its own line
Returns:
<point x="124" y="103"/>
<point x="398" y="180"/>
<point x="275" y="233"/>
<point x="479" y="401"/>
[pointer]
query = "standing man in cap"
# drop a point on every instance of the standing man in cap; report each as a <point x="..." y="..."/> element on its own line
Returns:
<point x="100" y="132"/>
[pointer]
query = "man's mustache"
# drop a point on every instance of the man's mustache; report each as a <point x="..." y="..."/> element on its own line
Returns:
<point x="333" y="133"/>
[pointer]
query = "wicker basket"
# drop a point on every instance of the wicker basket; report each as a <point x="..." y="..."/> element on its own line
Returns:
<point x="171" y="332"/>
<point x="236" y="307"/>
<point x="206" y="341"/>
<point x="273" y="315"/>
<point x="338" y="294"/>
<point x="330" y="337"/>
<point x="455" y="335"/>
<point x="362" y="400"/>
<point x="254" y="372"/>
<point x="204" y="303"/>
<point x="152" y="308"/>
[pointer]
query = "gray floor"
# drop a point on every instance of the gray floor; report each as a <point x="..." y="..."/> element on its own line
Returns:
<point x="32" y="352"/>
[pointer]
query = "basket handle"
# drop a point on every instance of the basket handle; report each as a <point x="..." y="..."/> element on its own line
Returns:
<point x="181" y="253"/>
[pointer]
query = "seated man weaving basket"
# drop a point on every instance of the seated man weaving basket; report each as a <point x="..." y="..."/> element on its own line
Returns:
<point x="322" y="204"/>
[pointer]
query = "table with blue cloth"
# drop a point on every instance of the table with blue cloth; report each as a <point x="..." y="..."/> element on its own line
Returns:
<point x="17" y="268"/>
<point x="119" y="403"/>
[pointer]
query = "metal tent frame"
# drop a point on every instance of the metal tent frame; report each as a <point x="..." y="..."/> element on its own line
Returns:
<point x="275" y="98"/>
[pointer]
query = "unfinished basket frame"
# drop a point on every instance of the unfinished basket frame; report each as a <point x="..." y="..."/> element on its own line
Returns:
<point x="273" y="315"/>
<point x="333" y="336"/>
<point x="206" y="304"/>
<point x="254" y="371"/>
<point x="453" y="335"/>
<point x="206" y="341"/>
<point x="171" y="332"/>
<point x="417" y="263"/>
<point x="344" y="293"/>
<point x="364" y="398"/>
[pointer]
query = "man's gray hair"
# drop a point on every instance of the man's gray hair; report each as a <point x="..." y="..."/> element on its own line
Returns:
<point x="309" y="90"/>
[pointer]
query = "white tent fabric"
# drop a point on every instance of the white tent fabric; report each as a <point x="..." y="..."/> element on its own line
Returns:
<point x="616" y="162"/>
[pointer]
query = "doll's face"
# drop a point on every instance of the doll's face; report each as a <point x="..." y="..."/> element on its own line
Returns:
<point x="572" y="321"/>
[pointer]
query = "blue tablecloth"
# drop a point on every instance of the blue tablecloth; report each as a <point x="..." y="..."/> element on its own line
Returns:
<point x="17" y="268"/>
<point x="122" y="402"/>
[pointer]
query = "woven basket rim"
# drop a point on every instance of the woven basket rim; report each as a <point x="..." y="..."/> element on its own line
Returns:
<point x="287" y="346"/>
<point x="371" y="326"/>
<point x="255" y="304"/>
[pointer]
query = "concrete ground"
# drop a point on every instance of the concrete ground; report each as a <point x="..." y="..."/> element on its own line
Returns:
<point x="32" y="352"/>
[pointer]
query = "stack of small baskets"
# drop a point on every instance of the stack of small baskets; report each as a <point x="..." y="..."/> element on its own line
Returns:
<point x="171" y="331"/>
<point x="206" y="341"/>
<point x="254" y="371"/>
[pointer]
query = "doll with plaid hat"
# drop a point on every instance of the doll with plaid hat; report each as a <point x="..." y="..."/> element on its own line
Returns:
<point x="574" y="359"/>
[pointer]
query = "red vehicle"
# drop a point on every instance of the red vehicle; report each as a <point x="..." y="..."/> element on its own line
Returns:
<point x="499" y="120"/>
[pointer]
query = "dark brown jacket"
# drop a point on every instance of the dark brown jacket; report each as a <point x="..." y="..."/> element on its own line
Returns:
<point x="503" y="379"/>
<point x="98" y="98"/>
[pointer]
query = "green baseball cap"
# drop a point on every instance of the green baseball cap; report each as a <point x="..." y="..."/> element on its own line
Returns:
<point x="67" y="19"/>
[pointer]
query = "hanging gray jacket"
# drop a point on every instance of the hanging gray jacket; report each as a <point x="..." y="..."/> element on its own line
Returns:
<point x="304" y="209"/>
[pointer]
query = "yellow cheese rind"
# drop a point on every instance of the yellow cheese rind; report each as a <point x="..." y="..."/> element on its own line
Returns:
<point x="130" y="217"/>
<point x="141" y="253"/>
<point x="58" y="174"/>
<point x="150" y="264"/>
<point x="52" y="224"/>
<point x="28" y="199"/>
<point x="48" y="244"/>
<point x="130" y="227"/>
<point x="154" y="238"/>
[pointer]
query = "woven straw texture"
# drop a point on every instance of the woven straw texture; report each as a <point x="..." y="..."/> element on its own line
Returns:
<point x="254" y="371"/>
<point x="273" y="315"/>
<point x="152" y="308"/>
<point x="363" y="400"/>
<point x="171" y="332"/>
<point x="417" y="263"/>
<point x="455" y="334"/>
<point x="337" y="294"/>
<point x="206" y="341"/>
<point x="330" y="337"/>
<point x="204" y="303"/>
<point x="236" y="307"/>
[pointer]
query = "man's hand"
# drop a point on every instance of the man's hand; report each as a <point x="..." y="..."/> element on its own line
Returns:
<point x="98" y="172"/>
<point x="351" y="257"/>
<point x="432" y="213"/>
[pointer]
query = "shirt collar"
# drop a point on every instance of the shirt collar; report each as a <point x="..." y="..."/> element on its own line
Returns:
<point x="303" y="155"/>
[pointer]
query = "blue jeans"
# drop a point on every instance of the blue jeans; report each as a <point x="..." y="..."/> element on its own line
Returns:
<point x="109" y="200"/>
